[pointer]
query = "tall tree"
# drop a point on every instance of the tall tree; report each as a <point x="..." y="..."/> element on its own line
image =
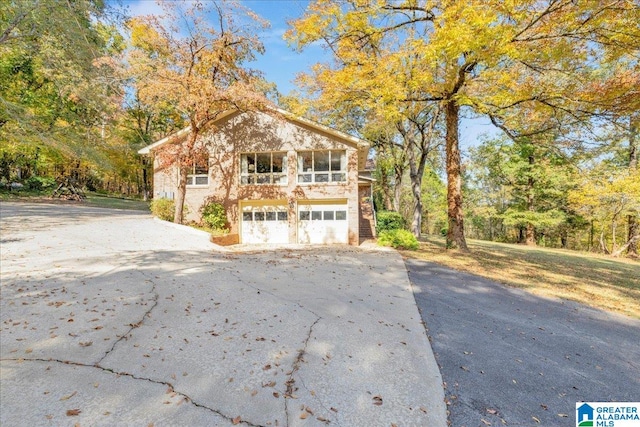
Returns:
<point x="56" y="84"/>
<point x="483" y="56"/>
<point x="193" y="58"/>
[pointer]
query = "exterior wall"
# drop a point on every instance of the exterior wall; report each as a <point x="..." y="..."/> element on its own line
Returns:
<point x="246" y="133"/>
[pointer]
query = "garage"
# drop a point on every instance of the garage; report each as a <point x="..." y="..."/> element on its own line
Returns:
<point x="264" y="223"/>
<point x="323" y="222"/>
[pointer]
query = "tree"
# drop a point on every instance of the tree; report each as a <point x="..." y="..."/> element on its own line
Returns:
<point x="607" y="196"/>
<point x="486" y="57"/>
<point x="192" y="58"/>
<point x="525" y="185"/>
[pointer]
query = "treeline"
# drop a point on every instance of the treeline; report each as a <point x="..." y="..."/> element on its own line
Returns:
<point x="67" y="108"/>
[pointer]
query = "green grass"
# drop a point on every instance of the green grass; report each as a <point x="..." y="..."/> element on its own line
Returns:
<point x="599" y="281"/>
<point x="92" y="199"/>
<point x="101" y="201"/>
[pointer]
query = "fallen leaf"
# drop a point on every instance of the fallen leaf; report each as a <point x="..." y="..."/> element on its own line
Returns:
<point x="86" y="343"/>
<point x="492" y="411"/>
<point x="377" y="400"/>
<point x="536" y="420"/>
<point x="303" y="416"/>
<point x="73" y="412"/>
<point x="276" y="394"/>
<point x="563" y="415"/>
<point x="254" y="392"/>
<point x="485" y="422"/>
<point x="236" y="420"/>
<point x="69" y="396"/>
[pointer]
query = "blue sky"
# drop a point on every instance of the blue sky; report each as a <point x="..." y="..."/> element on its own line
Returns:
<point x="280" y="63"/>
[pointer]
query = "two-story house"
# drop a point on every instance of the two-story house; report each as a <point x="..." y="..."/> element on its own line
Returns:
<point x="281" y="179"/>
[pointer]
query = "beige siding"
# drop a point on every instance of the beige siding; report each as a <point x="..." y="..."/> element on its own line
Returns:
<point x="242" y="133"/>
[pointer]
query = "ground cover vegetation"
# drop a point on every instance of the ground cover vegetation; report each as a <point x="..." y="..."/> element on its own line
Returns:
<point x="597" y="280"/>
<point x="83" y="86"/>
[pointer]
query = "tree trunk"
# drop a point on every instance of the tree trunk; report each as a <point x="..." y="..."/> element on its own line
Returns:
<point x="397" y="189"/>
<point x="632" y="220"/>
<point x="183" y="172"/>
<point x="633" y="240"/>
<point x="416" y="174"/>
<point x="455" y="233"/>
<point x="530" y="239"/>
<point x="603" y="245"/>
<point x="145" y="182"/>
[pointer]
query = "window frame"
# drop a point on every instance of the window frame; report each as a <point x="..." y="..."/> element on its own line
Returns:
<point x="314" y="175"/>
<point x="254" y="177"/>
<point x="193" y="175"/>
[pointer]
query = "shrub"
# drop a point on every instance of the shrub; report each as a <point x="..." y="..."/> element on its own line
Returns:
<point x="214" y="215"/>
<point x="163" y="209"/>
<point x="39" y="183"/>
<point x="399" y="239"/>
<point x="389" y="220"/>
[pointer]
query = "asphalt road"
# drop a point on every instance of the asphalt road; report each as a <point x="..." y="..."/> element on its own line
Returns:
<point x="511" y="358"/>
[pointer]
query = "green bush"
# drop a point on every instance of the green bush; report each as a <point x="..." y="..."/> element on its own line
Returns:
<point x="39" y="183"/>
<point x="389" y="220"/>
<point x="163" y="209"/>
<point x="214" y="215"/>
<point x="399" y="239"/>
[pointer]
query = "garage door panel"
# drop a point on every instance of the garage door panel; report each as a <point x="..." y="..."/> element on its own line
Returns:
<point x="323" y="223"/>
<point x="265" y="224"/>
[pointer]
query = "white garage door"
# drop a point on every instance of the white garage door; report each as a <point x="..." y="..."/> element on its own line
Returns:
<point x="265" y="224"/>
<point x="323" y="223"/>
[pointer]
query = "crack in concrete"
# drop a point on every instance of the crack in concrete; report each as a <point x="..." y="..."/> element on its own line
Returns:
<point x="156" y="297"/>
<point x="322" y="405"/>
<point x="135" y="377"/>
<point x="296" y="366"/>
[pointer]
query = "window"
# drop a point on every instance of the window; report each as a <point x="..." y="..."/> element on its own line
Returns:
<point x="322" y="166"/>
<point x="199" y="173"/>
<point x="268" y="215"/>
<point x="263" y="168"/>
<point x="328" y="215"/>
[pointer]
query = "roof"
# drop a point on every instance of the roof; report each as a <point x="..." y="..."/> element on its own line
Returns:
<point x="360" y="143"/>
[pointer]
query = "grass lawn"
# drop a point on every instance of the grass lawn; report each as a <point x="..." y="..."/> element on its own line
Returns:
<point x="599" y="281"/>
<point x="93" y="199"/>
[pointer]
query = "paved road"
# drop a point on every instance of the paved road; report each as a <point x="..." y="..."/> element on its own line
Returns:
<point x="508" y="355"/>
<point x="113" y="318"/>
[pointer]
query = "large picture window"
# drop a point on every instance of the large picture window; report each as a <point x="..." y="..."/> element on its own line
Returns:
<point x="263" y="168"/>
<point x="322" y="166"/>
<point x="199" y="173"/>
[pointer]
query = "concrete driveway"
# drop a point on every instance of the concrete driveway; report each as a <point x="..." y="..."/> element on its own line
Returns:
<point x="113" y="318"/>
<point x="512" y="358"/>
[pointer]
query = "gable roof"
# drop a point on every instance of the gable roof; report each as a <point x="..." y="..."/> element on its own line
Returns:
<point x="359" y="143"/>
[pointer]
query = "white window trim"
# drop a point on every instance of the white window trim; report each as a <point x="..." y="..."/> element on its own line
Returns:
<point x="192" y="177"/>
<point x="284" y="174"/>
<point x="313" y="173"/>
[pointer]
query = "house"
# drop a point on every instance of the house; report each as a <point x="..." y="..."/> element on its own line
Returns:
<point x="280" y="178"/>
